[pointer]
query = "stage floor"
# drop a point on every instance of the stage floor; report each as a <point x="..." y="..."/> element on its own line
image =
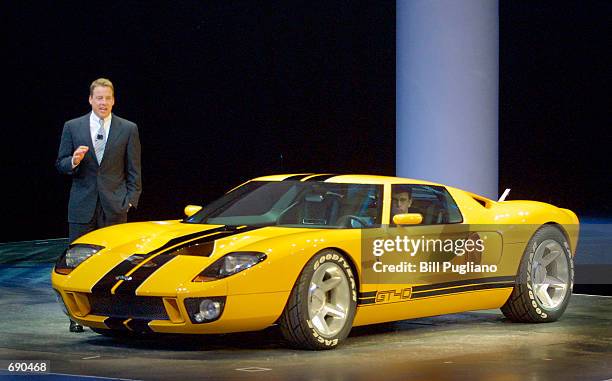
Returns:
<point x="479" y="345"/>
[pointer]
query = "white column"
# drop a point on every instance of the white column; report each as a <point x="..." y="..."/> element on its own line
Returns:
<point x="447" y="92"/>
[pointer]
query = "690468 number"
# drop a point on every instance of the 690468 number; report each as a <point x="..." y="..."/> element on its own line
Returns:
<point x="27" y="366"/>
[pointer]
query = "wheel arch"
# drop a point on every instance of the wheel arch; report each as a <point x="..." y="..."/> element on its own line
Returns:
<point x="563" y="231"/>
<point x="549" y="223"/>
<point x="351" y="262"/>
<point x="349" y="258"/>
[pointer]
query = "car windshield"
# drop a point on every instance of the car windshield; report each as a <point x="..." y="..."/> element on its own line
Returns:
<point x="296" y="204"/>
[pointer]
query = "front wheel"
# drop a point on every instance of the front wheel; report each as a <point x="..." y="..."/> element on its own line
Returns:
<point x="545" y="279"/>
<point x="320" y="310"/>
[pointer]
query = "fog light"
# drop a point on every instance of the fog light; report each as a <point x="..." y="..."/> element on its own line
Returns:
<point x="209" y="310"/>
<point x="205" y="310"/>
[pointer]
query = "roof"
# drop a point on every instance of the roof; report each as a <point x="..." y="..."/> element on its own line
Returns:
<point x="343" y="178"/>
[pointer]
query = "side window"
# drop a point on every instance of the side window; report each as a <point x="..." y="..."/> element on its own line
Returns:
<point x="434" y="203"/>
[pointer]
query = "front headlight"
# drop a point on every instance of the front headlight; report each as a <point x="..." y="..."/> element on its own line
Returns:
<point x="230" y="264"/>
<point x="74" y="256"/>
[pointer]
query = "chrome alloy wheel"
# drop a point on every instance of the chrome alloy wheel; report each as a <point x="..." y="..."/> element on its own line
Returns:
<point x="328" y="299"/>
<point x="550" y="274"/>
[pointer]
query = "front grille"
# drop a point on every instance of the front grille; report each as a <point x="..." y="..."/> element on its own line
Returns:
<point x="128" y="306"/>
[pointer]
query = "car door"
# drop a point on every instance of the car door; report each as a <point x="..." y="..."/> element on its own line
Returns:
<point x="427" y="260"/>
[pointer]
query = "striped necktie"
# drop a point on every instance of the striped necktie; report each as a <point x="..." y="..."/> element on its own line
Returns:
<point x="100" y="142"/>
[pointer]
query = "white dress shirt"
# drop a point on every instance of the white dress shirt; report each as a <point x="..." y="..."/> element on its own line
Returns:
<point x="94" y="126"/>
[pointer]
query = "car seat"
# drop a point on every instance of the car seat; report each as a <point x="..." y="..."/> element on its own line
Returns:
<point x="320" y="209"/>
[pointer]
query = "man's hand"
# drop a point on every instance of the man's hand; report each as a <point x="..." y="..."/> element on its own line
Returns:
<point x="78" y="154"/>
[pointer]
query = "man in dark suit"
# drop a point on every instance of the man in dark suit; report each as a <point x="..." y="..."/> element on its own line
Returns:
<point x="101" y="152"/>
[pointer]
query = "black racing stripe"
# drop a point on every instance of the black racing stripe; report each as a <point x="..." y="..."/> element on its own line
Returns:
<point x="145" y="271"/>
<point x="212" y="238"/>
<point x="107" y="282"/>
<point x="369" y="294"/>
<point x="367" y="301"/>
<point x="115" y="323"/>
<point x="297" y="177"/>
<point x="197" y="249"/>
<point x="474" y="287"/>
<point x="177" y="240"/>
<point x="208" y="239"/>
<point x="321" y="177"/>
<point x="142" y="273"/>
<point x="436" y="286"/>
<point x="140" y="325"/>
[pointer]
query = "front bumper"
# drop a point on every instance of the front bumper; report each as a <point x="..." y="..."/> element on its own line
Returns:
<point x="248" y="312"/>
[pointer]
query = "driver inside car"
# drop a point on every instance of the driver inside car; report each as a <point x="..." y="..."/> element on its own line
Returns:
<point x="402" y="200"/>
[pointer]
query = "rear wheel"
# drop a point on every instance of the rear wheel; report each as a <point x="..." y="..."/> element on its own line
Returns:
<point x="320" y="310"/>
<point x="545" y="279"/>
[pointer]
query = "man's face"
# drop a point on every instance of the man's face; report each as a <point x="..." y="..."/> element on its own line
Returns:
<point x="401" y="202"/>
<point x="102" y="101"/>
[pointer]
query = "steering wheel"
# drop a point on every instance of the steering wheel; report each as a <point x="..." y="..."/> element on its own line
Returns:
<point x="347" y="218"/>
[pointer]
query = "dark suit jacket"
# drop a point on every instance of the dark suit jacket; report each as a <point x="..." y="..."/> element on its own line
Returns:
<point x="116" y="181"/>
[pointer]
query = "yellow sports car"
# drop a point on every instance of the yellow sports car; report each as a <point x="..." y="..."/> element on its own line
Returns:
<point x="318" y="254"/>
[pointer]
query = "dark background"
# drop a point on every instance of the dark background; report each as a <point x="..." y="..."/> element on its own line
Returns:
<point x="220" y="90"/>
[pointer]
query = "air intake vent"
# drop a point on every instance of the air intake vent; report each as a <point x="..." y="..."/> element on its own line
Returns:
<point x="481" y="202"/>
<point x="128" y="306"/>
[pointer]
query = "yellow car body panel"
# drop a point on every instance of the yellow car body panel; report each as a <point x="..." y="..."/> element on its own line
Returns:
<point x="255" y="298"/>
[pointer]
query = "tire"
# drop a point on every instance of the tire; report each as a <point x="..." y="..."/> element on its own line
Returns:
<point x="321" y="316"/>
<point x="544" y="281"/>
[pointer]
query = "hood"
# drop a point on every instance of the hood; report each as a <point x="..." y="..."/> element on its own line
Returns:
<point x="137" y="250"/>
<point x="147" y="237"/>
<point x="142" y="236"/>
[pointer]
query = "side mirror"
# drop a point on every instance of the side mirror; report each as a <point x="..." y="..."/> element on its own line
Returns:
<point x="190" y="210"/>
<point x="408" y="219"/>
